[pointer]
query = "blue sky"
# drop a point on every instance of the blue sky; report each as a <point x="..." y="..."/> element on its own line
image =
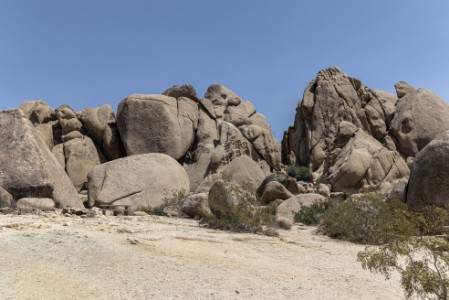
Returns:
<point x="86" y="53"/>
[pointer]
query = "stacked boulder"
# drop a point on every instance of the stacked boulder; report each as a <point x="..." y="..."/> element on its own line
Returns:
<point x="156" y="145"/>
<point x="204" y="135"/>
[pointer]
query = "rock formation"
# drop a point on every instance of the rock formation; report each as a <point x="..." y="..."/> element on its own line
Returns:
<point x="27" y="166"/>
<point x="357" y="137"/>
<point x="429" y="179"/>
<point x="144" y="180"/>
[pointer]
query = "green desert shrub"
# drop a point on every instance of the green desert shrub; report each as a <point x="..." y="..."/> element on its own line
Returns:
<point x="322" y="180"/>
<point x="299" y="173"/>
<point x="237" y="208"/>
<point x="311" y="215"/>
<point x="368" y="220"/>
<point x="422" y="260"/>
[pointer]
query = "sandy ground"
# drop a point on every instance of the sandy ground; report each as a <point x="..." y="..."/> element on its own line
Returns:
<point x="56" y="257"/>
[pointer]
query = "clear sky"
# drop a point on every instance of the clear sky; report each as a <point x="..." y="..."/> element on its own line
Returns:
<point x="86" y="53"/>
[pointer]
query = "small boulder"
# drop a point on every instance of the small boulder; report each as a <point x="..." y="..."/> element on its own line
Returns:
<point x="44" y="204"/>
<point x="284" y="179"/>
<point x="275" y="190"/>
<point x="183" y="90"/>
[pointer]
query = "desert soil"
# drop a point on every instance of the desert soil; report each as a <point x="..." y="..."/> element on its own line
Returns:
<point x="56" y="257"/>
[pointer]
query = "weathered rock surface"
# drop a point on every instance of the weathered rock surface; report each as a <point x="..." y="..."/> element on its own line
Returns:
<point x="328" y="100"/>
<point x="5" y="198"/>
<point x="420" y="117"/>
<point x="157" y="123"/>
<point x="275" y="190"/>
<point x="38" y="112"/>
<point x="290" y="207"/>
<point x="36" y="203"/>
<point x="429" y="179"/>
<point x="244" y="170"/>
<point x="363" y="162"/>
<point x="183" y="90"/>
<point x="284" y="179"/>
<point x="27" y="166"/>
<point x="140" y="180"/>
<point x="101" y="125"/>
<point x="81" y="156"/>
<point x="403" y="88"/>
<point x="196" y="205"/>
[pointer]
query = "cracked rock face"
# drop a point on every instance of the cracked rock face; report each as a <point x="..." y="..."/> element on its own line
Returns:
<point x="328" y="100"/>
<point x="28" y="167"/>
<point x="143" y="180"/>
<point x="362" y="163"/>
<point x="157" y="123"/>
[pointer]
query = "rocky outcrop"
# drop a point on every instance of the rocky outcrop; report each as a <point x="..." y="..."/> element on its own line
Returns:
<point x="6" y="199"/>
<point x="420" y="117"/>
<point x="244" y="170"/>
<point x="43" y="204"/>
<point x="101" y="126"/>
<point x="81" y="155"/>
<point x="328" y="100"/>
<point x="429" y="178"/>
<point x="357" y="137"/>
<point x="273" y="191"/>
<point x="27" y="166"/>
<point x="157" y="123"/>
<point x="144" y="180"/>
<point x="363" y="162"/>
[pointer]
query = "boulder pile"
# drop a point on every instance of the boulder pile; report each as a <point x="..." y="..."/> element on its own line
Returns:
<point x="346" y="139"/>
<point x="360" y="139"/>
<point x="155" y="145"/>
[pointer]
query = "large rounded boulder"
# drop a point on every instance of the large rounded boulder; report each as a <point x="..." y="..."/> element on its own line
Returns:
<point x="157" y="123"/>
<point x="145" y="180"/>
<point x="420" y="117"/>
<point x="429" y="179"/>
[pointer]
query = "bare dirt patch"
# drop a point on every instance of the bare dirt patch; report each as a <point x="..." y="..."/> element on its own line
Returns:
<point x="57" y="257"/>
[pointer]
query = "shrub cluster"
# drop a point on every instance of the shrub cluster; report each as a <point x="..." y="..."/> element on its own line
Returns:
<point x="237" y="208"/>
<point x="299" y="173"/>
<point x="311" y="215"/>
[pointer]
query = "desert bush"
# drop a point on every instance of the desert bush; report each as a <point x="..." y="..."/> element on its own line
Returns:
<point x="368" y="220"/>
<point x="239" y="210"/>
<point x="321" y="180"/>
<point x="311" y="215"/>
<point x="299" y="173"/>
<point x="421" y="260"/>
<point x="173" y="199"/>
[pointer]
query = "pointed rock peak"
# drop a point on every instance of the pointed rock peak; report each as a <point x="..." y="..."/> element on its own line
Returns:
<point x="403" y="88"/>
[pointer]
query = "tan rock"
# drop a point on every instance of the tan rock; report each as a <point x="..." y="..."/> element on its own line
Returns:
<point x="420" y="117"/>
<point x="28" y="167"/>
<point x="275" y="190"/>
<point x="144" y="180"/>
<point x="43" y="204"/>
<point x="157" y="123"/>
<point x="81" y="156"/>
